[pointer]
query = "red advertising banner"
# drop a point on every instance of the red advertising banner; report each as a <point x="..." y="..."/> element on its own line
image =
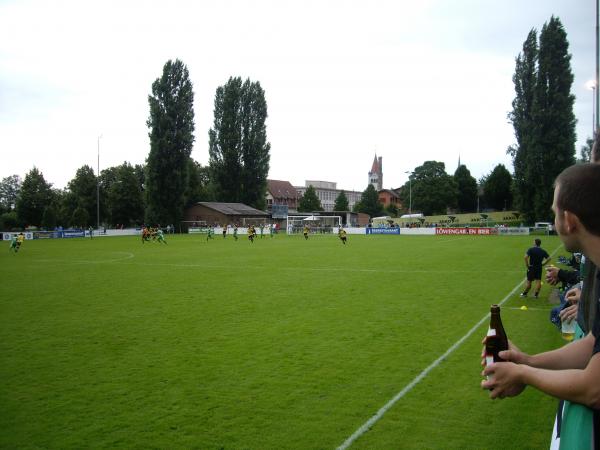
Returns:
<point x="467" y="231"/>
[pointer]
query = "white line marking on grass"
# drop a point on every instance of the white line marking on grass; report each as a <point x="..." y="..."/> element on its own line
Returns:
<point x="313" y="269"/>
<point x="128" y="255"/>
<point x="374" y="419"/>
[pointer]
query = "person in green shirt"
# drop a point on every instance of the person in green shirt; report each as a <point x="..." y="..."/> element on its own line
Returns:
<point x="160" y="236"/>
<point x="209" y="234"/>
<point x="13" y="244"/>
<point x="235" y="231"/>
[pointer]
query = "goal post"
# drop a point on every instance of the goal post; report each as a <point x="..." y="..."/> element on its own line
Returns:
<point x="316" y="224"/>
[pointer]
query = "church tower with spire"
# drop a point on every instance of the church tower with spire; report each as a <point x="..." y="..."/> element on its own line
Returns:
<point x="376" y="173"/>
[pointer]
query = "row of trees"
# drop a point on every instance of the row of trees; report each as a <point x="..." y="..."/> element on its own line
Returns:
<point x="160" y="190"/>
<point x="542" y="117"/>
<point x="431" y="191"/>
<point x="238" y="148"/>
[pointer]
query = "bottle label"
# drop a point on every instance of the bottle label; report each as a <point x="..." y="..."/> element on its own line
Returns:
<point x="489" y="359"/>
<point x="491" y="332"/>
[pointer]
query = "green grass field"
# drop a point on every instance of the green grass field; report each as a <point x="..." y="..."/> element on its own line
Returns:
<point x="280" y="344"/>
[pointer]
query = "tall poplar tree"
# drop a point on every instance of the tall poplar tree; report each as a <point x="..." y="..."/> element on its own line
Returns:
<point x="555" y="118"/>
<point x="171" y="124"/>
<point x="542" y="118"/>
<point x="238" y="147"/>
<point x="523" y="119"/>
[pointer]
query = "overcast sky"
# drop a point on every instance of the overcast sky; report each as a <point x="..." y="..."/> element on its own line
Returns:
<point x="409" y="80"/>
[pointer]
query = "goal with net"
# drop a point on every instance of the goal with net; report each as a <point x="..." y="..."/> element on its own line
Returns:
<point x="316" y="224"/>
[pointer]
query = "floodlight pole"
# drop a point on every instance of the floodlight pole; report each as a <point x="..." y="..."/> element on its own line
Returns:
<point x="409" y="193"/>
<point x="593" y="111"/>
<point x="98" y="190"/>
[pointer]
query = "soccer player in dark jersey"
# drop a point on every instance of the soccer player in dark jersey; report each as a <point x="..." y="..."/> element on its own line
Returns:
<point x="535" y="258"/>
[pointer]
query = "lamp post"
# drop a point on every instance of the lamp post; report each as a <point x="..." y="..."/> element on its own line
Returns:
<point x="98" y="190"/>
<point x="592" y="85"/>
<point x="409" y="192"/>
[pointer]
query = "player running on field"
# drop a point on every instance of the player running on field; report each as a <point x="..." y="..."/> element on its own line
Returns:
<point x="251" y="233"/>
<point x="160" y="236"/>
<point x="13" y="244"/>
<point x="271" y="229"/>
<point x="342" y="235"/>
<point x="224" y="231"/>
<point x="235" y="230"/>
<point x="20" y="239"/>
<point x="306" y="231"/>
<point x="145" y="234"/>
<point x="209" y="234"/>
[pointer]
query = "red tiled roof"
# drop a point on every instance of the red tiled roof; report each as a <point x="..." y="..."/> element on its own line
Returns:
<point x="281" y="189"/>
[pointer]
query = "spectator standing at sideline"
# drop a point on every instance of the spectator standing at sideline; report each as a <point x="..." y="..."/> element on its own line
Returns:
<point x="535" y="258"/>
<point x="572" y="372"/>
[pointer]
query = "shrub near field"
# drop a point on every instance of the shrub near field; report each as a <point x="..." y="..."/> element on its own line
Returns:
<point x="284" y="343"/>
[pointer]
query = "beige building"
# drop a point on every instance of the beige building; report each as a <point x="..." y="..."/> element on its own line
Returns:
<point x="327" y="192"/>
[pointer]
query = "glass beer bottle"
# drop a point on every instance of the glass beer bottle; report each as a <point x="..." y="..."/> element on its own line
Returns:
<point x="496" y="340"/>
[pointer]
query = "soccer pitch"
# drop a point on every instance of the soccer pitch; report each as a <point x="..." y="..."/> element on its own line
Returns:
<point x="280" y="344"/>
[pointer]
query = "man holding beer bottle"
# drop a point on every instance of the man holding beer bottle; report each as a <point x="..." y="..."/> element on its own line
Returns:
<point x="572" y="372"/>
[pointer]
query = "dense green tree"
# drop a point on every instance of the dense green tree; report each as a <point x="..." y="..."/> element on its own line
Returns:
<point x="198" y="188"/>
<point x="497" y="188"/>
<point x="309" y="201"/>
<point x="9" y="221"/>
<point x="341" y="202"/>
<point x="84" y="189"/>
<point x="238" y="147"/>
<point x="433" y="190"/>
<point x="555" y="118"/>
<point x="80" y="217"/>
<point x="9" y="191"/>
<point x="124" y="197"/>
<point x="62" y="201"/>
<point x="35" y="195"/>
<point x="542" y="118"/>
<point x="586" y="151"/>
<point x="171" y="124"/>
<point x="49" y="218"/>
<point x="369" y="202"/>
<point x="467" y="189"/>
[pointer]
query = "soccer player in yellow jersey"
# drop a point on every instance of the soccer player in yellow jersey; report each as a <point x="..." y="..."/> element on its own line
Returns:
<point x="306" y="230"/>
<point x="20" y="239"/>
<point x="342" y="235"/>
